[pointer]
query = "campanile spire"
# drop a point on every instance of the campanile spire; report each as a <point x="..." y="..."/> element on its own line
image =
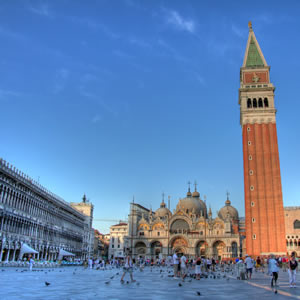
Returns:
<point x="265" y="231"/>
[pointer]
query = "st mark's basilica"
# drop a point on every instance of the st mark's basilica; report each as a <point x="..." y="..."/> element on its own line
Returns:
<point x="190" y="230"/>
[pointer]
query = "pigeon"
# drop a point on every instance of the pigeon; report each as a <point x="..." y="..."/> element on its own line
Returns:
<point x="17" y="270"/>
<point x="275" y="292"/>
<point x="74" y="273"/>
<point x="45" y="272"/>
<point x="190" y="280"/>
<point x="179" y="284"/>
<point x="107" y="282"/>
<point x="112" y="277"/>
<point x="198" y="293"/>
<point x="117" y="274"/>
<point x="47" y="283"/>
<point x="3" y="270"/>
<point x="127" y="282"/>
<point x="137" y="283"/>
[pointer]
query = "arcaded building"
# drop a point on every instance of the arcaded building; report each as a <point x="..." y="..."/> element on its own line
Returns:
<point x="190" y="229"/>
<point x="32" y="215"/>
<point x="292" y="229"/>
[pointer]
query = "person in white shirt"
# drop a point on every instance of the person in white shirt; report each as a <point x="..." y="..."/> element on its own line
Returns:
<point x="273" y="270"/>
<point x="31" y="262"/>
<point x="175" y="264"/>
<point x="249" y="266"/>
<point x="128" y="268"/>
<point x="183" y="267"/>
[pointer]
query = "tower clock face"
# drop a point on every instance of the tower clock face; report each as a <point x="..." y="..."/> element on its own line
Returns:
<point x="255" y="77"/>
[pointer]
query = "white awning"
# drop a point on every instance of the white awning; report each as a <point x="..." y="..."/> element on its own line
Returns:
<point x="26" y="249"/>
<point x="63" y="252"/>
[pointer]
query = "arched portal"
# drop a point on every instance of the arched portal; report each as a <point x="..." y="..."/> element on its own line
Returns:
<point x="156" y="249"/>
<point x="218" y="249"/>
<point x="179" y="245"/>
<point x="140" y="249"/>
<point x="201" y="248"/>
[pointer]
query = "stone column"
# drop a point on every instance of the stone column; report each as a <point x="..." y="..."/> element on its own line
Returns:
<point x="14" y="255"/>
<point x="7" y="255"/>
<point x="1" y="249"/>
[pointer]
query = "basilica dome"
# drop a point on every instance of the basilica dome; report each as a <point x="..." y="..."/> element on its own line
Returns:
<point x="162" y="211"/>
<point x="228" y="210"/>
<point x="192" y="204"/>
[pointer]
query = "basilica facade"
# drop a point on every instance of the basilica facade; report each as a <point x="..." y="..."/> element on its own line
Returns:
<point x="190" y="229"/>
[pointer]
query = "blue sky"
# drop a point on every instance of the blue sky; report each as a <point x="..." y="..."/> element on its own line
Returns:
<point x="122" y="98"/>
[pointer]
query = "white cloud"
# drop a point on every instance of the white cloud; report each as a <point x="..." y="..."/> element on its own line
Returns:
<point x="94" y="25"/>
<point x="96" y="119"/>
<point x="42" y="10"/>
<point x="8" y="93"/>
<point x="122" y="54"/>
<point x="61" y="78"/>
<point x="178" y="22"/>
<point x="242" y="33"/>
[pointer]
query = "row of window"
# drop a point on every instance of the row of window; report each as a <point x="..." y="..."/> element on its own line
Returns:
<point x="254" y="103"/>
<point x="293" y="244"/>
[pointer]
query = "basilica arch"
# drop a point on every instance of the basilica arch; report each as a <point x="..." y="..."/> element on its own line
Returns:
<point x="218" y="249"/>
<point x="140" y="248"/>
<point x="179" y="244"/>
<point x="179" y="226"/>
<point x="155" y="248"/>
<point x="201" y="248"/>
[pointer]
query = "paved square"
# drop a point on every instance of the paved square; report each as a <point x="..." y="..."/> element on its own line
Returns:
<point x="78" y="283"/>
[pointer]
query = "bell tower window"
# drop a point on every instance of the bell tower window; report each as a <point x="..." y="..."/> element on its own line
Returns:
<point x="254" y="102"/>
<point x="249" y="104"/>
<point x="266" y="102"/>
<point x="260" y="102"/>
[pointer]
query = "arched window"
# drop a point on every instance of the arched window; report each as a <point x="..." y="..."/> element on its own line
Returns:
<point x="266" y="102"/>
<point x="297" y="224"/>
<point x="291" y="243"/>
<point x="249" y="104"/>
<point x="254" y="102"/>
<point x="260" y="102"/>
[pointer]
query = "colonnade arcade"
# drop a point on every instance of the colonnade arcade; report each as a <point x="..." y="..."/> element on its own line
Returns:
<point x="30" y="214"/>
<point x="210" y="248"/>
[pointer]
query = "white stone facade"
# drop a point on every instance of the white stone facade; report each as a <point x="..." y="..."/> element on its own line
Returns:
<point x="118" y="242"/>
<point x="31" y="214"/>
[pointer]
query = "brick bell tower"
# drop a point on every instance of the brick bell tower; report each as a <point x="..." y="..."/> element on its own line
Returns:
<point x="265" y="228"/>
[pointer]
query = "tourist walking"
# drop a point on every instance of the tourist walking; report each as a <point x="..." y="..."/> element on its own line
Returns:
<point x="128" y="268"/>
<point x="183" y="267"/>
<point x="175" y="264"/>
<point x="198" y="268"/>
<point x="249" y="266"/>
<point x="90" y="261"/>
<point x="273" y="270"/>
<point x="293" y="264"/>
<point x="31" y="263"/>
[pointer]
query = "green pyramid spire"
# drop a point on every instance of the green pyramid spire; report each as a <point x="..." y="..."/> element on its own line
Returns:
<point x="254" y="59"/>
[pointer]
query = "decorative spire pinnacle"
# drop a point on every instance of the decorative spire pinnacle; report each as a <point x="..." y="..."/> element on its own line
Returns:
<point x="163" y="197"/>
<point x="195" y="184"/>
<point x="250" y="25"/>
<point x="227" y="202"/>
<point x="189" y="194"/>
<point x="209" y="212"/>
<point x="133" y="199"/>
<point x="84" y="198"/>
<point x="254" y="57"/>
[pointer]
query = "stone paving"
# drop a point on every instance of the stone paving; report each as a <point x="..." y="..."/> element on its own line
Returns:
<point x="77" y="283"/>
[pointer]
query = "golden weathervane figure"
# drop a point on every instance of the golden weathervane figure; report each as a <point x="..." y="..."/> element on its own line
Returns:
<point x="250" y="25"/>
